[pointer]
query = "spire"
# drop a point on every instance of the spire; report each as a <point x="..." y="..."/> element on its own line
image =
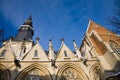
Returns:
<point x="78" y="54"/>
<point x="28" y="21"/>
<point x="25" y="31"/>
<point x="75" y="45"/>
<point x="51" y="51"/>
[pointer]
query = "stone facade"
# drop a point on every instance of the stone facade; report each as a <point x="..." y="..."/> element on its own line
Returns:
<point x="97" y="59"/>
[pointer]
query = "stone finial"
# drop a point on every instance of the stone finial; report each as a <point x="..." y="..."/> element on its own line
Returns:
<point x="89" y="19"/>
<point x="28" y="21"/>
<point x="50" y="42"/>
<point x="50" y="39"/>
<point x="62" y="40"/>
<point x="78" y="54"/>
<point x="37" y="39"/>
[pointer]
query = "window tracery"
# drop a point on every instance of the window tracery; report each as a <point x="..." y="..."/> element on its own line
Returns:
<point x="115" y="47"/>
<point x="70" y="74"/>
<point x="97" y="74"/>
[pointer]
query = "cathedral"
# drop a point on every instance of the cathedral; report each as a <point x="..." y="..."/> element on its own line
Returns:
<point x="98" y="57"/>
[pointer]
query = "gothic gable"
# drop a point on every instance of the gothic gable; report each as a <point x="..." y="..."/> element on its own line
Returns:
<point x="34" y="72"/>
<point x="99" y="37"/>
<point x="71" y="71"/>
<point x="6" y="53"/>
<point x="65" y="54"/>
<point x="102" y="32"/>
<point x="36" y="54"/>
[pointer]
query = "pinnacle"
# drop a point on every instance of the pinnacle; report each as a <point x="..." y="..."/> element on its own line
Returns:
<point x="28" y="21"/>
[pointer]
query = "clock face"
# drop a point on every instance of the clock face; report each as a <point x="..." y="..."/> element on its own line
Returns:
<point x="115" y="47"/>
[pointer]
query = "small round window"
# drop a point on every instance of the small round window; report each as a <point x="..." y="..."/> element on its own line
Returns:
<point x="115" y="47"/>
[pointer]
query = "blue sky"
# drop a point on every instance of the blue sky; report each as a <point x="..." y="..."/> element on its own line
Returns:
<point x="54" y="19"/>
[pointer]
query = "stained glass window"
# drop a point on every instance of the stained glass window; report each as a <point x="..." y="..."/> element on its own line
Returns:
<point x="35" y="75"/>
<point x="115" y="47"/>
<point x="70" y="74"/>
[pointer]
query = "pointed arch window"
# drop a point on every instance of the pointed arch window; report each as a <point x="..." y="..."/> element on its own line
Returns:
<point x="24" y="50"/>
<point x="65" y="53"/>
<point x="115" y="47"/>
<point x="36" y="54"/>
<point x="2" y="55"/>
<point x="66" y="56"/>
<point x="97" y="74"/>
<point x="35" y="74"/>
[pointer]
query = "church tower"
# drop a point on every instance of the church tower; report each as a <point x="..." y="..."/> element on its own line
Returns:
<point x="25" y="32"/>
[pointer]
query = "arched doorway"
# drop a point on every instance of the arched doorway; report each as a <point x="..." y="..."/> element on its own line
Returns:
<point x="34" y="72"/>
<point x="71" y="72"/>
<point x="95" y="72"/>
<point x="4" y="73"/>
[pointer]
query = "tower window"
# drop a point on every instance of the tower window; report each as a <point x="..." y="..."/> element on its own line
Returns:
<point x="3" y="53"/>
<point x="36" y="53"/>
<point x="65" y="53"/>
